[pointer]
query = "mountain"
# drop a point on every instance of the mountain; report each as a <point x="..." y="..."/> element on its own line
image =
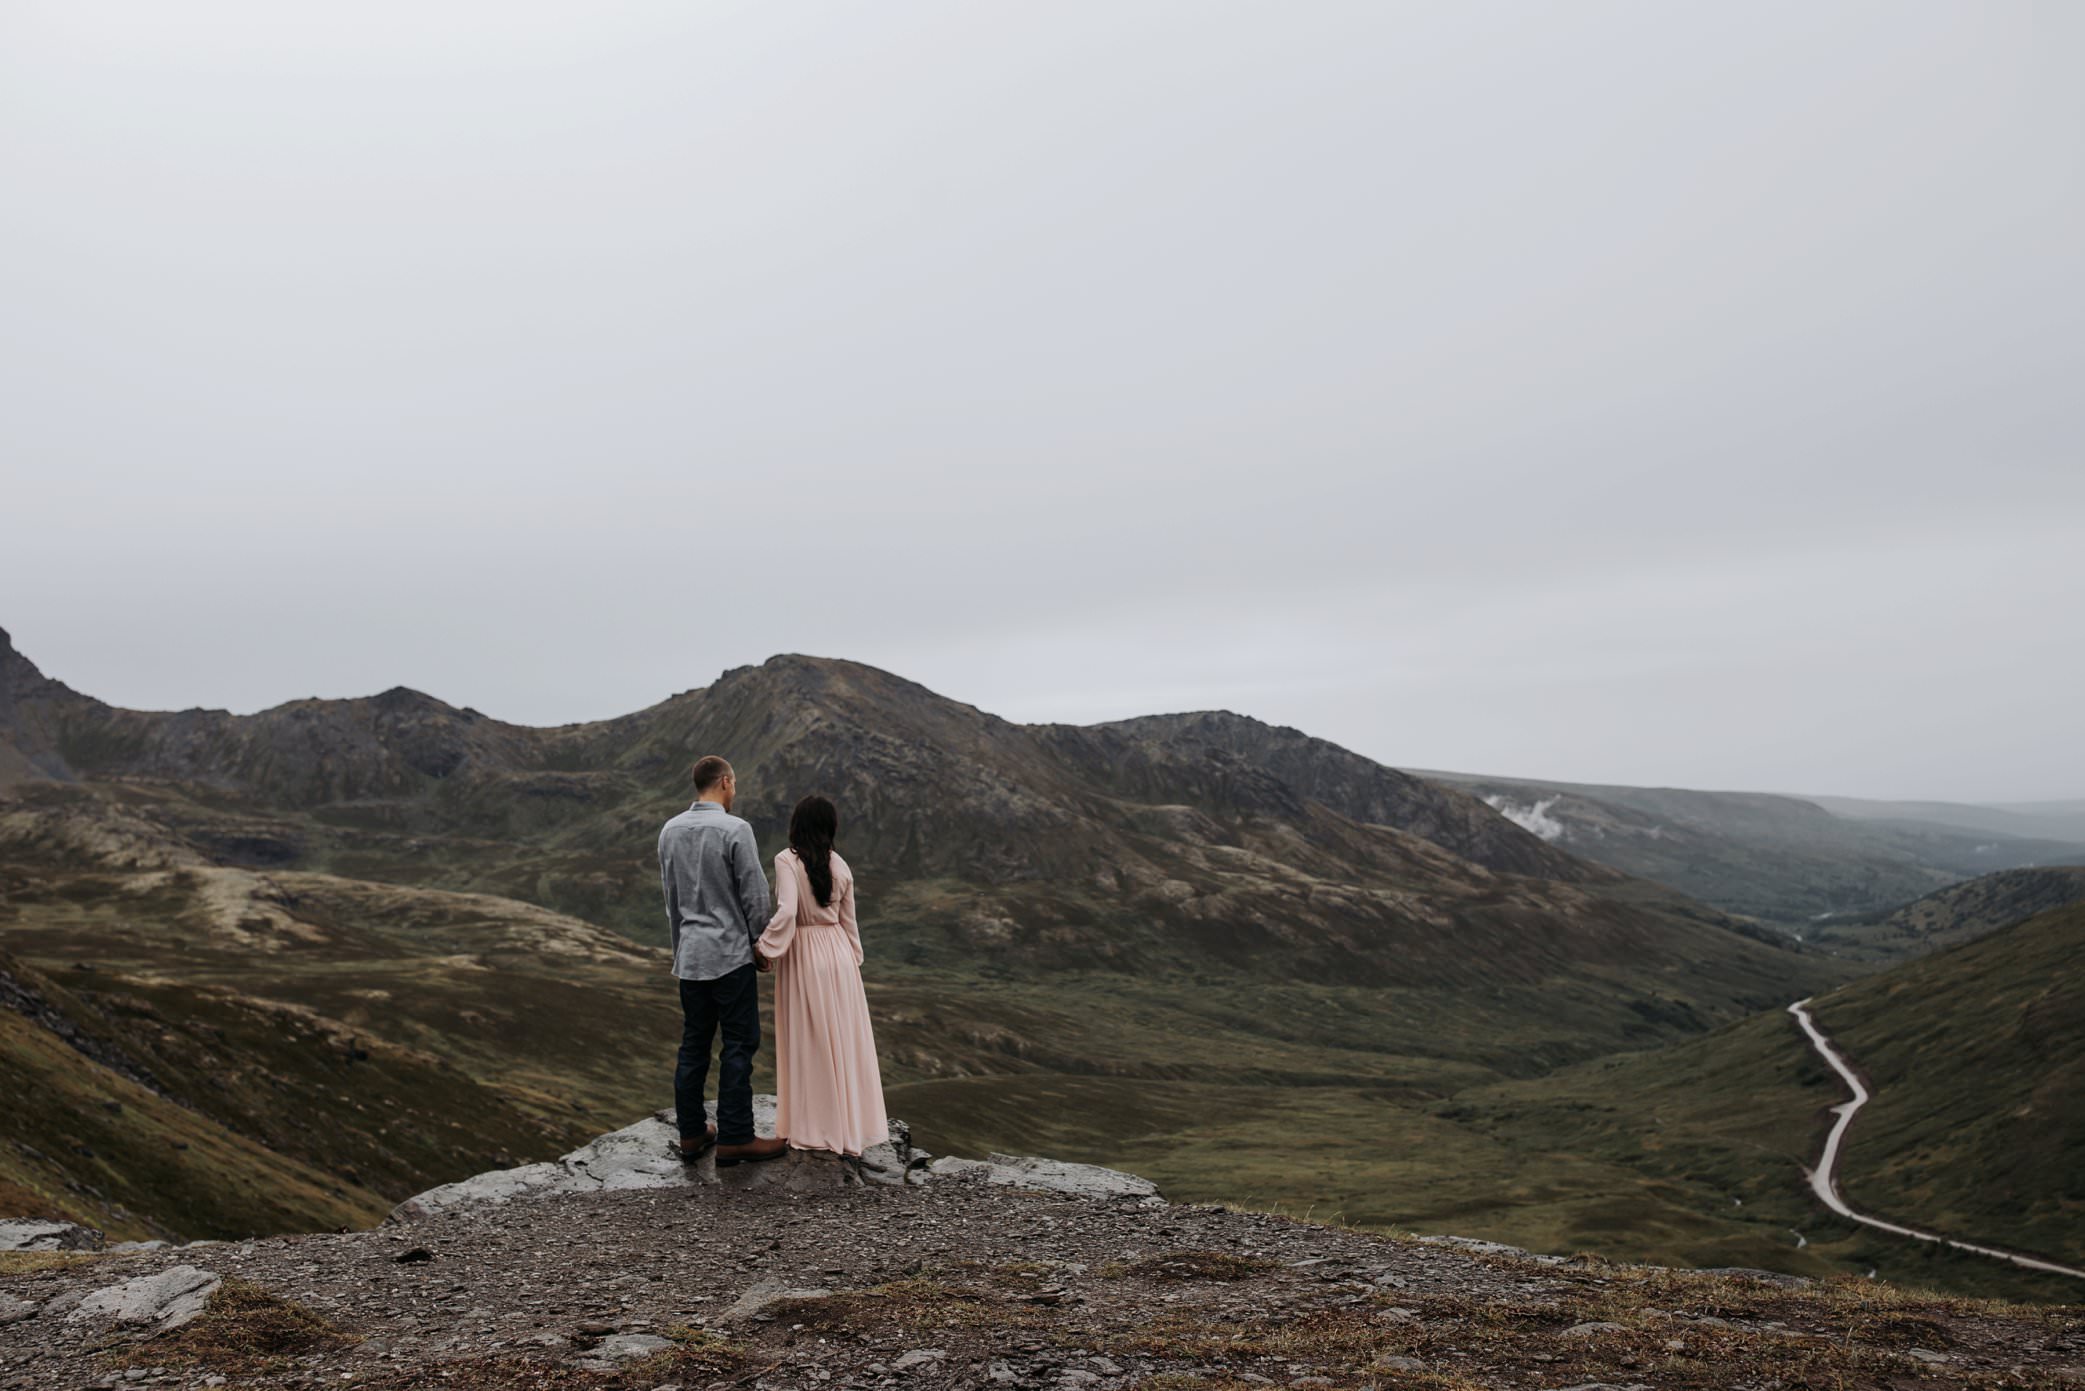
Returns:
<point x="1045" y="847"/>
<point x="1162" y="926"/>
<point x="1783" y="860"/>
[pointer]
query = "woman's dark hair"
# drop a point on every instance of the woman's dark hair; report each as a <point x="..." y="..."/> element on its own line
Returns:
<point x="812" y="827"/>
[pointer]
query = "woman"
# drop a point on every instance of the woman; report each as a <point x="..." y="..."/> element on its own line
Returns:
<point x="831" y="1097"/>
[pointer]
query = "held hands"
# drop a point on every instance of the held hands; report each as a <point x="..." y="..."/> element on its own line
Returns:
<point x="762" y="962"/>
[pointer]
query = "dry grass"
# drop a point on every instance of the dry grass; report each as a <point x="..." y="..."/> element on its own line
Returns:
<point x="1341" y="1337"/>
<point x="1840" y="1304"/>
<point x="500" y="1374"/>
<point x="29" y="1262"/>
<point x="701" y="1359"/>
<point x="1676" y="1331"/>
<point x="915" y="1305"/>
<point x="697" y="1357"/>
<point x="1220" y="1266"/>
<point x="1018" y="1275"/>
<point x="243" y="1331"/>
<point x="1343" y="1381"/>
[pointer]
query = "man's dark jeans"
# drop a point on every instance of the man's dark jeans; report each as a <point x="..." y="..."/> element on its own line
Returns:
<point x="732" y="1001"/>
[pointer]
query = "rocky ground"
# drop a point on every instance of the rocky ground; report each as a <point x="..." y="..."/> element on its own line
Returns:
<point x="976" y="1277"/>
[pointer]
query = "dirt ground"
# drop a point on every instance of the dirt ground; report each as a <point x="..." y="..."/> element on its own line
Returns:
<point x="960" y="1284"/>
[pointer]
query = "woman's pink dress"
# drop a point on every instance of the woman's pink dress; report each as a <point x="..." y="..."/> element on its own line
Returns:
<point x="830" y="1094"/>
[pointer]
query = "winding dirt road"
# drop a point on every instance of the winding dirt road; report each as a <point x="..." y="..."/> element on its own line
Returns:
<point x="1824" y="1179"/>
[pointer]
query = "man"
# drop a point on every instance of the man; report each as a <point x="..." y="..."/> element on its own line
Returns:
<point x="716" y="905"/>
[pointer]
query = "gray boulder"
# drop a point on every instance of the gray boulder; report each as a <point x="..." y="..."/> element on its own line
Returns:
<point x="28" y="1234"/>
<point x="642" y="1156"/>
<point x="1050" y="1175"/>
<point x="756" y="1301"/>
<point x="1491" y="1248"/>
<point x="622" y="1348"/>
<point x="166" y="1300"/>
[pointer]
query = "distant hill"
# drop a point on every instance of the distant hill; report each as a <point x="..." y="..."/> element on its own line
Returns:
<point x="2062" y="821"/>
<point x="1185" y="915"/>
<point x="1789" y="861"/>
<point x="1956" y="914"/>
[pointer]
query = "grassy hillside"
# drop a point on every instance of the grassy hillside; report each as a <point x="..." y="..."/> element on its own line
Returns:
<point x="404" y="1035"/>
<point x="1782" y="860"/>
<point x="1977" y="1060"/>
<point x="197" y="1050"/>
<point x="89" y="1141"/>
<point x="1696" y="1153"/>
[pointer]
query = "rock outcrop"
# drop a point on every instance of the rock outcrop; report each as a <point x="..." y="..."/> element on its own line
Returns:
<point x="32" y="1235"/>
<point x="1048" y="1176"/>
<point x="642" y="1156"/>
<point x="163" y="1301"/>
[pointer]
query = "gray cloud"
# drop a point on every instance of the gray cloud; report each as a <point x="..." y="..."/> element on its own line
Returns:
<point x="1636" y="392"/>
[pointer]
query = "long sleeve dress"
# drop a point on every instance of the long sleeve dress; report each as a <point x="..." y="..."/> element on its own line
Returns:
<point x="830" y="1093"/>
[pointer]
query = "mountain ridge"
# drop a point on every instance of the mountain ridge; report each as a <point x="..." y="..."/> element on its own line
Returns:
<point x="402" y="732"/>
<point x="1098" y="930"/>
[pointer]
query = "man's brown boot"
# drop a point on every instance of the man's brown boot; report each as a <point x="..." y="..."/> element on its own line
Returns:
<point x="752" y="1152"/>
<point x="694" y="1147"/>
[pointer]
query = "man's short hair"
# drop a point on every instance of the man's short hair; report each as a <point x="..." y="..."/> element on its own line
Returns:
<point x="709" y="771"/>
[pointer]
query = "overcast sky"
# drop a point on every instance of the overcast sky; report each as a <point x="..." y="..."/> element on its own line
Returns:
<point x="1640" y="392"/>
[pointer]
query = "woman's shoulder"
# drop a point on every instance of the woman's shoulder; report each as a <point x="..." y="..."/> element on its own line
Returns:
<point x="786" y="855"/>
<point x="841" y="869"/>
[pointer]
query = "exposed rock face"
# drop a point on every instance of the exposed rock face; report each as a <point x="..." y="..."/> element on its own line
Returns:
<point x="32" y="711"/>
<point x="622" y="1347"/>
<point x="48" y="1236"/>
<point x="641" y="1156"/>
<point x="1048" y="1175"/>
<point x="166" y="1300"/>
<point x="1361" y="789"/>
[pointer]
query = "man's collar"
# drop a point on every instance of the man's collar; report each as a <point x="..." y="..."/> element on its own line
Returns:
<point x="699" y="803"/>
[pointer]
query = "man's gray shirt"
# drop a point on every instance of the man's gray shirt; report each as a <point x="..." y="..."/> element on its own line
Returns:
<point x="716" y="893"/>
